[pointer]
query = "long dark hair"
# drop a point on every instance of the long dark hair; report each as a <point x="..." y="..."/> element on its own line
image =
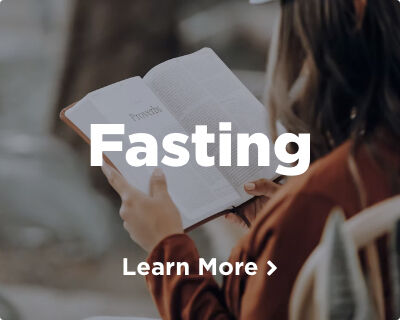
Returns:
<point x="336" y="72"/>
<point x="347" y="60"/>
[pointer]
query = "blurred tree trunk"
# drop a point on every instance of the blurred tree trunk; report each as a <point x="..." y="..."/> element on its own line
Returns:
<point x="110" y="41"/>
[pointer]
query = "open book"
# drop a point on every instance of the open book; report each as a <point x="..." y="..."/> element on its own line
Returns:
<point x="196" y="89"/>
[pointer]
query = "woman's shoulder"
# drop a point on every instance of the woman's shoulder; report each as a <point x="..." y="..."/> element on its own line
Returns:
<point x="328" y="183"/>
<point x="328" y="178"/>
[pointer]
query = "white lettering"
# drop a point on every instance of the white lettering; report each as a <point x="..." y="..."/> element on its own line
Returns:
<point x="251" y="268"/>
<point x="125" y="270"/>
<point x="158" y="269"/>
<point x="149" y="150"/>
<point x="182" y="153"/>
<point x="244" y="142"/>
<point x="201" y="138"/>
<point x="144" y="151"/>
<point x="302" y="156"/>
<point x="98" y="146"/>
<point x="143" y="268"/>
<point x="211" y="266"/>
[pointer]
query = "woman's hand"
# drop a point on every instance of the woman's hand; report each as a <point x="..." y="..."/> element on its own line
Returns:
<point x="263" y="190"/>
<point x="147" y="218"/>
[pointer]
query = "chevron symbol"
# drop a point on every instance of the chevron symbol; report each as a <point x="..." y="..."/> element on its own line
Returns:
<point x="273" y="268"/>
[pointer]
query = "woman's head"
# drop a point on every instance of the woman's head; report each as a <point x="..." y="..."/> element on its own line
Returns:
<point x="336" y="72"/>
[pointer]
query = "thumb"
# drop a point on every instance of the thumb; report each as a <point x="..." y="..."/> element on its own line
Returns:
<point x="158" y="184"/>
<point x="262" y="187"/>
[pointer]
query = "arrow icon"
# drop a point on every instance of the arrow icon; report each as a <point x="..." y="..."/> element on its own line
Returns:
<point x="273" y="268"/>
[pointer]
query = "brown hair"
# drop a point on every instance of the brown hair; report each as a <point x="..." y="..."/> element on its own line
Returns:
<point x="337" y="70"/>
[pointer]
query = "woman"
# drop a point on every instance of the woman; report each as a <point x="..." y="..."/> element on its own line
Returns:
<point x="335" y="74"/>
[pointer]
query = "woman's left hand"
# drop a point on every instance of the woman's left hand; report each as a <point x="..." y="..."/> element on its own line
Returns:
<point x="148" y="218"/>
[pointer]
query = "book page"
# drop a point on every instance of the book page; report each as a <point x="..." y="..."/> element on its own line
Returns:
<point x="199" y="89"/>
<point x="197" y="194"/>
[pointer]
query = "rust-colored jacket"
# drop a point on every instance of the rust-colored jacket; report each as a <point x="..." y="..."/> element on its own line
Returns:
<point x="285" y="232"/>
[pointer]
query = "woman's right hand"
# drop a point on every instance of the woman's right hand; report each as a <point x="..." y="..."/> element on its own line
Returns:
<point x="263" y="190"/>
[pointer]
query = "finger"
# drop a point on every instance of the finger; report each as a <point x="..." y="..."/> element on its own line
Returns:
<point x="125" y="225"/>
<point x="123" y="212"/>
<point x="235" y="219"/>
<point x="262" y="187"/>
<point x="158" y="184"/>
<point x="116" y="180"/>
<point x="128" y="228"/>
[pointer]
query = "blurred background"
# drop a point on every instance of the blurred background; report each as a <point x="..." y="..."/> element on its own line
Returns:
<point x="62" y="258"/>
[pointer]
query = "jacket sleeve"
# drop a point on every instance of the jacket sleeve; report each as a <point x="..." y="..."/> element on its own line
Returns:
<point x="191" y="296"/>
